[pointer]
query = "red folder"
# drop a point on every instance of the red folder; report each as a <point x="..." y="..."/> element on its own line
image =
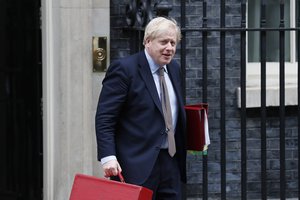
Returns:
<point x="197" y="134"/>
<point x="91" y="188"/>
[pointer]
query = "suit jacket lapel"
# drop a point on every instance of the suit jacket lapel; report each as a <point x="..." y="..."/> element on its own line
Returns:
<point x="147" y="76"/>
<point x="175" y="83"/>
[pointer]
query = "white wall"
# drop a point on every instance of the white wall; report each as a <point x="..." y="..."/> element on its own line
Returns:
<point x="70" y="90"/>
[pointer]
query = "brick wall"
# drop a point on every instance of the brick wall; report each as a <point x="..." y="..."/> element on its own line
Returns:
<point x="120" y="47"/>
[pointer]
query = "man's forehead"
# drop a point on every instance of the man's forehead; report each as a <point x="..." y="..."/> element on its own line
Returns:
<point x="167" y="34"/>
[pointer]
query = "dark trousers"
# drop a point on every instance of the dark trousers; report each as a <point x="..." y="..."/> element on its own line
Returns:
<point x="164" y="180"/>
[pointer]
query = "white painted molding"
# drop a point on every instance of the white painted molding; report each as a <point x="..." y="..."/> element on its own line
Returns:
<point x="48" y="135"/>
<point x="253" y="96"/>
<point x="253" y="82"/>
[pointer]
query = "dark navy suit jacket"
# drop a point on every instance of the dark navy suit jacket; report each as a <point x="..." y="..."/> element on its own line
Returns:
<point x="129" y="118"/>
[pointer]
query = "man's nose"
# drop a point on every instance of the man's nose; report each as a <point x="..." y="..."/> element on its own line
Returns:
<point x="169" y="45"/>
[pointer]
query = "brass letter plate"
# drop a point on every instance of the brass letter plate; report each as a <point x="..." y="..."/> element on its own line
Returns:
<point x="99" y="54"/>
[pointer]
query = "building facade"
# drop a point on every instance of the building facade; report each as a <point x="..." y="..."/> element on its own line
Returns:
<point x="253" y="151"/>
<point x="254" y="144"/>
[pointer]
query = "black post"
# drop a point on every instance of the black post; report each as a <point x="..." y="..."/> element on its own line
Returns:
<point x="263" y="101"/>
<point x="243" y="105"/>
<point x="282" y="102"/>
<point x="223" y="102"/>
<point x="163" y="8"/>
<point x="204" y="99"/>
<point x="183" y="43"/>
<point x="183" y="59"/>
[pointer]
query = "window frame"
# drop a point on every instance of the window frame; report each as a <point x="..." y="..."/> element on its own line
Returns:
<point x="253" y="74"/>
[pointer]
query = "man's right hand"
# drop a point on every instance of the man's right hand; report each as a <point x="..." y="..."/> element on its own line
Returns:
<point x="111" y="168"/>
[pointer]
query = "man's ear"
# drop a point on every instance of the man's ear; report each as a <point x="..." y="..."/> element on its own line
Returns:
<point x="147" y="41"/>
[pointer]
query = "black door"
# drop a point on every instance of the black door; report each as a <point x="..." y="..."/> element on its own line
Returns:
<point x="20" y="100"/>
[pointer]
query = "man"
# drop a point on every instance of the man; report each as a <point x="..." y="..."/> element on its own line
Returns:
<point x="131" y="124"/>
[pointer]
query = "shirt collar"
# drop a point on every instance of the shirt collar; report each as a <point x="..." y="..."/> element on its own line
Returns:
<point x="153" y="66"/>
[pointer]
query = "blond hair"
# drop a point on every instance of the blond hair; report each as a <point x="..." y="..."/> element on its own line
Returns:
<point x="160" y="25"/>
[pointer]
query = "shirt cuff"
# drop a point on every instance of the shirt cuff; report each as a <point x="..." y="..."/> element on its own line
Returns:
<point x="107" y="158"/>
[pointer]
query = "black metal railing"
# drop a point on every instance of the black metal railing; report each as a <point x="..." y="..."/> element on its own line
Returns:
<point x="242" y="30"/>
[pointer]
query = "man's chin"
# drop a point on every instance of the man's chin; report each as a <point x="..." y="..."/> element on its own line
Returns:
<point x="167" y="61"/>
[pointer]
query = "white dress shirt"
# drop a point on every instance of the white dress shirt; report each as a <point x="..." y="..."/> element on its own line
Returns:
<point x="172" y="96"/>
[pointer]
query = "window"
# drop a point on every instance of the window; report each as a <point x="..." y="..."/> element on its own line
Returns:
<point x="272" y="54"/>
<point x="272" y="21"/>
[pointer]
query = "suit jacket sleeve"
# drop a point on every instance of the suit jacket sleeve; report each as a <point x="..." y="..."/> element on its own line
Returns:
<point x="112" y="97"/>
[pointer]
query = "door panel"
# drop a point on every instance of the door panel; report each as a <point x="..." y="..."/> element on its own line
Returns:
<point x="20" y="100"/>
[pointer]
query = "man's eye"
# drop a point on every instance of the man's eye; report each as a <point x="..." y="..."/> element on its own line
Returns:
<point x="166" y="42"/>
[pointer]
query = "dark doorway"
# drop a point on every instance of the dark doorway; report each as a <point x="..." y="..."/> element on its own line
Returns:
<point x="20" y="100"/>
